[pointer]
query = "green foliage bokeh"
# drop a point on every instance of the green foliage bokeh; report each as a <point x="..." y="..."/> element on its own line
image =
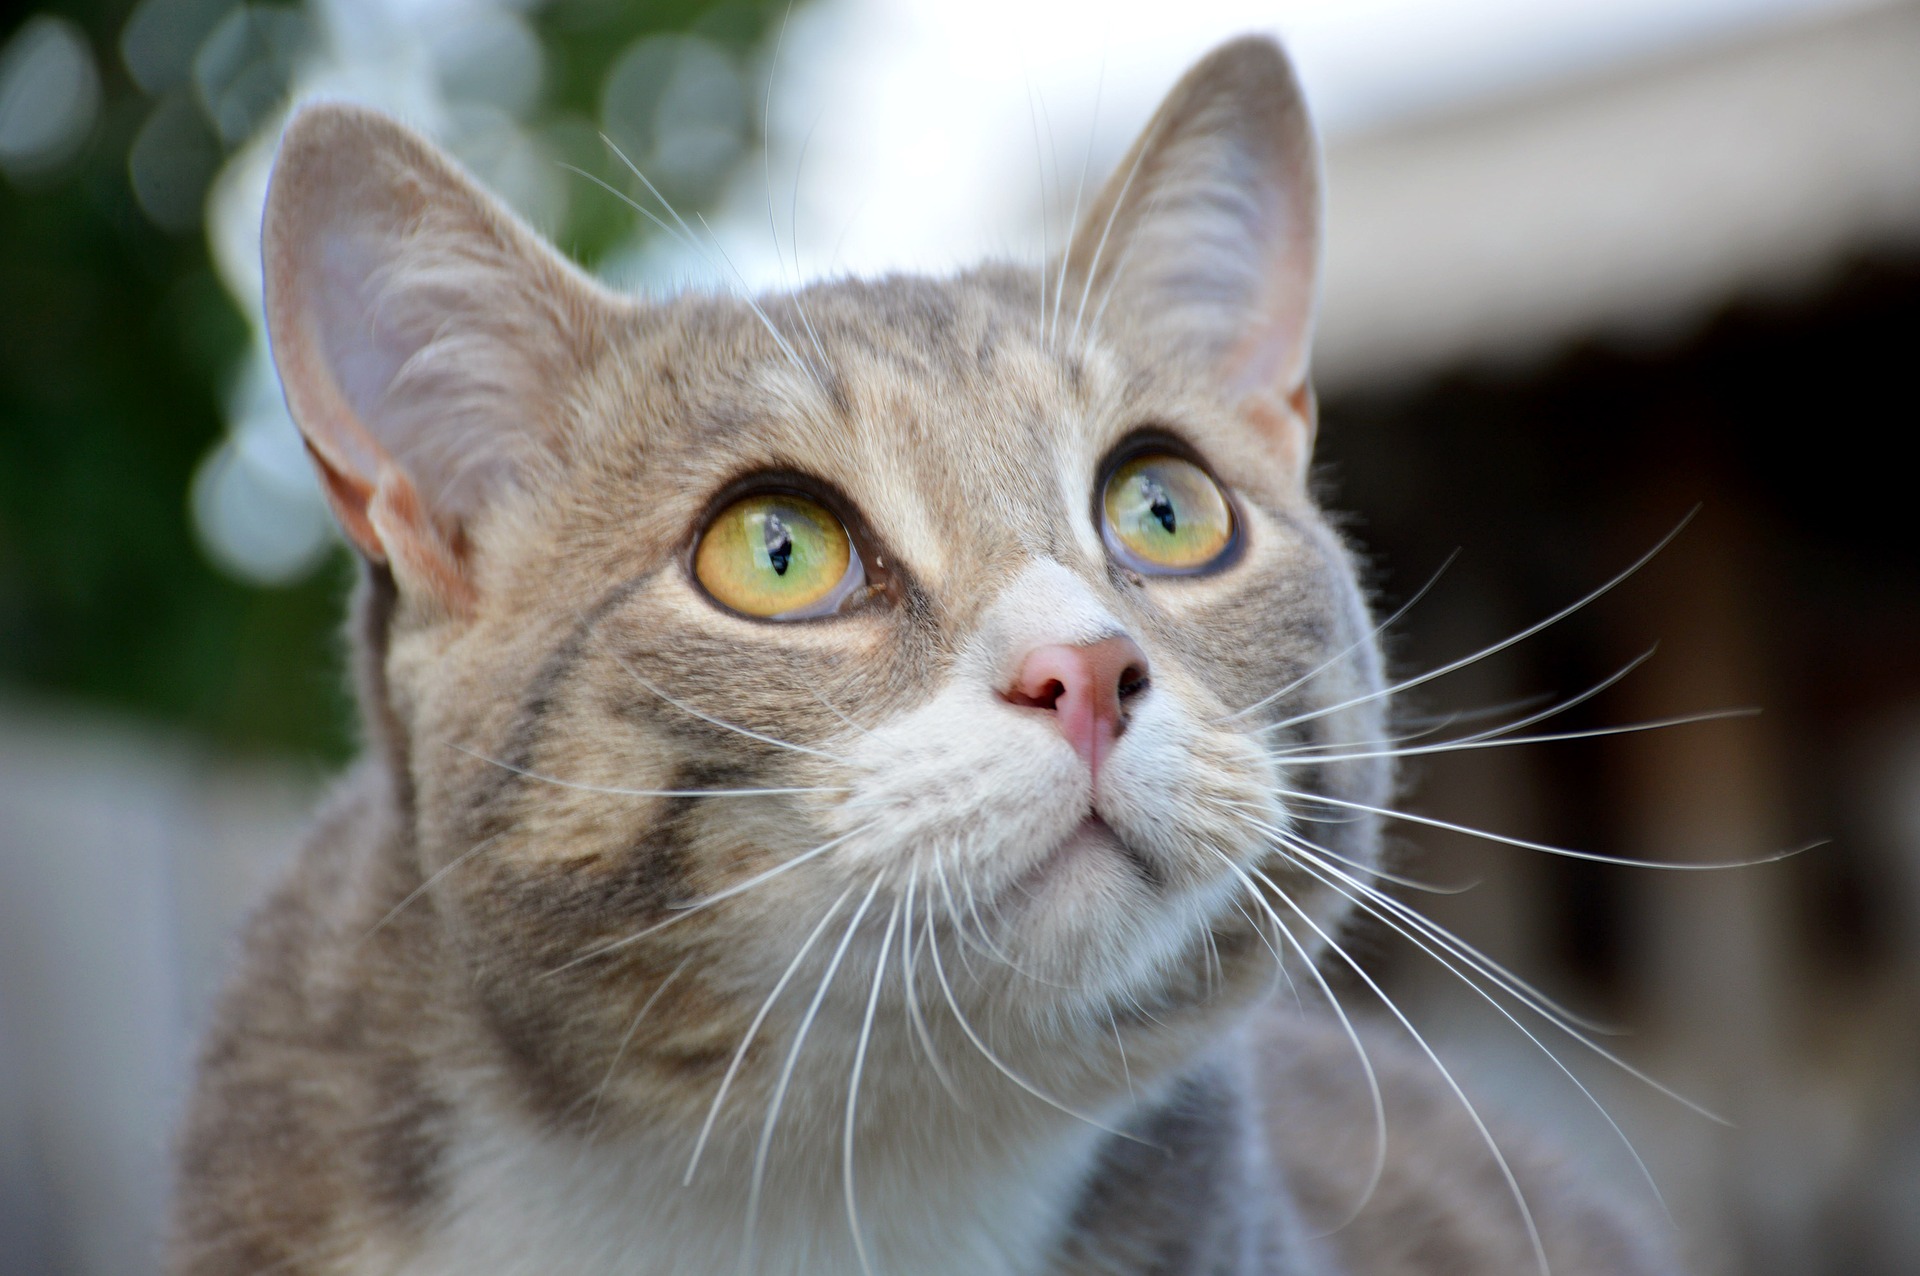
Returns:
<point x="116" y="345"/>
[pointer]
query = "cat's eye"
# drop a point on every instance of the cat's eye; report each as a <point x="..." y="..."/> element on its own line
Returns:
<point x="778" y="556"/>
<point x="1164" y="515"/>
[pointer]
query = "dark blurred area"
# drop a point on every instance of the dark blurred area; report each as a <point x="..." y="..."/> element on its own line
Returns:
<point x="1560" y="324"/>
<point x="1782" y="995"/>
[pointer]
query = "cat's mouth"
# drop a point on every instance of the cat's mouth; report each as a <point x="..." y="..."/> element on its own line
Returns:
<point x="1093" y="838"/>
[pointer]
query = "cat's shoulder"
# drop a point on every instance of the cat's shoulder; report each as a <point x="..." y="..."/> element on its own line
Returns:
<point x="1442" y="1202"/>
<point x="316" y="1117"/>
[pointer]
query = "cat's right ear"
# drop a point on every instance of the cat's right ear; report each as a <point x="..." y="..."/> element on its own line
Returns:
<point x="420" y="331"/>
<point x="1206" y="239"/>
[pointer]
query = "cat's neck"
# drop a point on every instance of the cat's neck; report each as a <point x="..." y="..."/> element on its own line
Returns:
<point x="967" y="1195"/>
<point x="537" y="1201"/>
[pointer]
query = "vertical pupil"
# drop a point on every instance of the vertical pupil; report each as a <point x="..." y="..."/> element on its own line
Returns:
<point x="779" y="543"/>
<point x="1159" y="504"/>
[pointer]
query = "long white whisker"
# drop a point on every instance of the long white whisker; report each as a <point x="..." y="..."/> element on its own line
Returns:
<point x="1379" y="1167"/>
<point x="718" y="722"/>
<point x="638" y="207"/>
<point x="601" y="1091"/>
<point x="853" y="1091"/>
<point x="1473" y="1114"/>
<point x="1371" y="637"/>
<point x="1040" y="166"/>
<point x="1301" y="849"/>
<point x="690" y="238"/>
<point x="986" y="1052"/>
<point x="1073" y="220"/>
<point x="1361" y="901"/>
<point x="1144" y="145"/>
<point x="423" y="887"/>
<point x="1456" y="665"/>
<point x="760" y="1152"/>
<point x="753" y="1029"/>
<point x="1519" y="989"/>
<point x="908" y="945"/>
<point x="793" y="233"/>
<point x="1541" y="715"/>
<point x="1280" y="834"/>
<point x="1525" y="845"/>
<point x="806" y="369"/>
<point x="693" y="906"/>
<point x="650" y="793"/>
<point x="1489" y="741"/>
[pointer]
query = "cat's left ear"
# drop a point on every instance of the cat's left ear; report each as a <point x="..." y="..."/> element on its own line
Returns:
<point x="424" y="337"/>
<point x="1206" y="239"/>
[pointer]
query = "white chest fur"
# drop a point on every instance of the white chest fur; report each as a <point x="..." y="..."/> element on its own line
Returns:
<point x="541" y="1204"/>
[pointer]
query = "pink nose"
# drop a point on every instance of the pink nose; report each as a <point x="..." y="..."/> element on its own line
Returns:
<point x="1086" y="687"/>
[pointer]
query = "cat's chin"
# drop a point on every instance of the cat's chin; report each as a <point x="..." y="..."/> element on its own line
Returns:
<point x="1091" y="848"/>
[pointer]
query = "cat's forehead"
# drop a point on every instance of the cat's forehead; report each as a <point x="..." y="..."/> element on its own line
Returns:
<point x="945" y="410"/>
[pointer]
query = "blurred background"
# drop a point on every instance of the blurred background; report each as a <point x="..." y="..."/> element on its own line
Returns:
<point x="1591" y="265"/>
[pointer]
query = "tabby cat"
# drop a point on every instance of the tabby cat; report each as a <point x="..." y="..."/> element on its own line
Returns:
<point x="847" y="773"/>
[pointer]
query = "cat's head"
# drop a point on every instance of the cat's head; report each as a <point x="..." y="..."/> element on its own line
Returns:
<point x="983" y="628"/>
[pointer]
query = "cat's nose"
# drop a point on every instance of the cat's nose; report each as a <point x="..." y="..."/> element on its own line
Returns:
<point x="1086" y="687"/>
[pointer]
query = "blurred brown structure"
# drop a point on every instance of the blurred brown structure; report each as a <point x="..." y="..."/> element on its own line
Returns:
<point x="1555" y="327"/>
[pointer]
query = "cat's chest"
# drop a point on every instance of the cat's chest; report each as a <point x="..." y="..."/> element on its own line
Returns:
<point x="518" y="1202"/>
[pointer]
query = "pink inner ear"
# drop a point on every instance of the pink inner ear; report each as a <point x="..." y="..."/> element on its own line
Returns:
<point x="357" y="345"/>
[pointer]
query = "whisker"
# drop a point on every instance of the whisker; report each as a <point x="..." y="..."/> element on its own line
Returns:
<point x="627" y="1040"/>
<point x="1120" y="1045"/>
<point x="785" y="791"/>
<point x="1379" y="1167"/>
<point x="1362" y="903"/>
<point x="761" y="1151"/>
<point x="638" y="207"/>
<point x="423" y="887"/>
<point x="1141" y="148"/>
<point x="1525" y="845"/>
<point x="812" y="373"/>
<point x="908" y="979"/>
<point x="1513" y="640"/>
<point x="1473" y="1114"/>
<point x="753" y="1029"/>
<point x="853" y="1091"/>
<point x="793" y="225"/>
<point x="709" y="718"/>
<point x="1491" y="740"/>
<point x="1532" y="717"/>
<point x="1040" y="166"/>
<point x="986" y="1052"/>
<point x="1280" y="834"/>
<point x="1372" y="636"/>
<point x="1073" y="220"/>
<point x="693" y="906"/>
<point x="1574" y="1026"/>
<point x="691" y="240"/>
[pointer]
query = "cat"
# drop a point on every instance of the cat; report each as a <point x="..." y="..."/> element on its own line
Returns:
<point x="847" y="773"/>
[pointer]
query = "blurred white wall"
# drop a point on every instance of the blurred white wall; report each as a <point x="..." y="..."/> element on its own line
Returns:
<point x="126" y="861"/>
<point x="1503" y="176"/>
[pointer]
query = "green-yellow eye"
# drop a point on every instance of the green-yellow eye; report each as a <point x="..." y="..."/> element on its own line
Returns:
<point x="1164" y="514"/>
<point x="776" y="555"/>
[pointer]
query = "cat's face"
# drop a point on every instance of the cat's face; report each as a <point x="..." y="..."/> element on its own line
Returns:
<point x="950" y="646"/>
